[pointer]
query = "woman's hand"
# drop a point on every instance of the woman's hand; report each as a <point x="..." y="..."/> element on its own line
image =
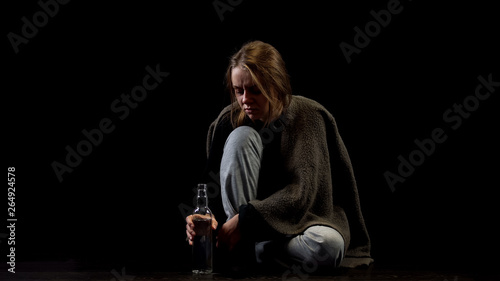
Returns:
<point x="229" y="234"/>
<point x="190" y="228"/>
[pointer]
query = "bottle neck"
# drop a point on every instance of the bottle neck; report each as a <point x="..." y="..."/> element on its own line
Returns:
<point x="202" y="200"/>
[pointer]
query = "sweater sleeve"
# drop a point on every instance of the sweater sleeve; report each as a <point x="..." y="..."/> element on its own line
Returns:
<point x="306" y="199"/>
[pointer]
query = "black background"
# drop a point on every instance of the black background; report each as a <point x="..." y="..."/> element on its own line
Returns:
<point x="120" y="205"/>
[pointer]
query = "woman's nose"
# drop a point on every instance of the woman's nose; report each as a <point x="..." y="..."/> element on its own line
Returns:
<point x="246" y="97"/>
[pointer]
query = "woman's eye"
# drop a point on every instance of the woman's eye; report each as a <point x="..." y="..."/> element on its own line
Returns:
<point x="255" y="90"/>
<point x="238" y="90"/>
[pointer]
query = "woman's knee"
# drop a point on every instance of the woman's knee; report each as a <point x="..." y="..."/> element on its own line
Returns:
<point x="328" y="244"/>
<point x="244" y="137"/>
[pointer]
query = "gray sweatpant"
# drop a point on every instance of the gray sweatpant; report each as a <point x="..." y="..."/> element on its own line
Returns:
<point x="239" y="175"/>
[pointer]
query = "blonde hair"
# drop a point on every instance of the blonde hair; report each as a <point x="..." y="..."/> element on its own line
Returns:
<point x="268" y="71"/>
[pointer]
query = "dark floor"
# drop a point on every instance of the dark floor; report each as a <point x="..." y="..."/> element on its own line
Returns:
<point x="355" y="275"/>
<point x="48" y="271"/>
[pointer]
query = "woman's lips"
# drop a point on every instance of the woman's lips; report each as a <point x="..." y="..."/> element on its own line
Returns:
<point x="251" y="110"/>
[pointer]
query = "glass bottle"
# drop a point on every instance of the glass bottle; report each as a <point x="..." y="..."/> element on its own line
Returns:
<point x="202" y="241"/>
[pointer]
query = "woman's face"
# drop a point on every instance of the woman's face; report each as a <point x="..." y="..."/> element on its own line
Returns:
<point x="250" y="99"/>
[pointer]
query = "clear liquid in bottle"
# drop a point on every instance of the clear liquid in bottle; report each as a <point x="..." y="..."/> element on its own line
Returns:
<point x="202" y="245"/>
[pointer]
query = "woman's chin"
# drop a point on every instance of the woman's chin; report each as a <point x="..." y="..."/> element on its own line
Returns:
<point x="253" y="117"/>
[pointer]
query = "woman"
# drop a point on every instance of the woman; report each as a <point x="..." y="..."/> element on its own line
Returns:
<point x="287" y="184"/>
